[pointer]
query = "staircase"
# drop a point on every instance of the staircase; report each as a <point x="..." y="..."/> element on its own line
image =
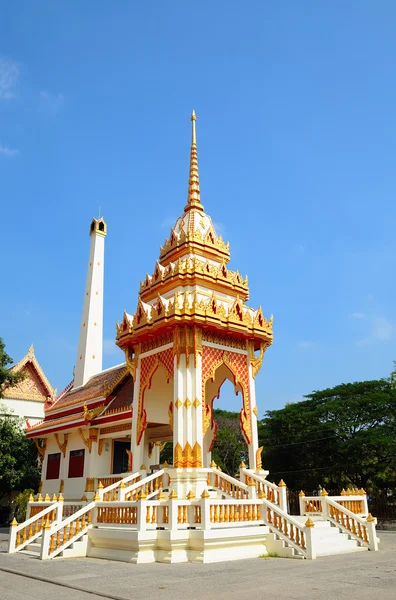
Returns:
<point x="251" y="511"/>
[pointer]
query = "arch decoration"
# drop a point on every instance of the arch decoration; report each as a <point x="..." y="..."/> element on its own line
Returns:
<point x="148" y="366"/>
<point x="212" y="359"/>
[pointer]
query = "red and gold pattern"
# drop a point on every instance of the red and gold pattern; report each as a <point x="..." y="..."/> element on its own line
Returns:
<point x="212" y="359"/>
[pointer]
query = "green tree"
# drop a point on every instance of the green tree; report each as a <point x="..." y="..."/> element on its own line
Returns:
<point x="7" y="377"/>
<point x="230" y="448"/>
<point x="339" y="436"/>
<point x="19" y="468"/>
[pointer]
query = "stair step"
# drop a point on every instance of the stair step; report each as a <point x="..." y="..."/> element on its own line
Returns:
<point x="33" y="547"/>
<point x="30" y="553"/>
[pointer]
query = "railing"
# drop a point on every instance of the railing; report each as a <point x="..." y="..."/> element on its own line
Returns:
<point x="227" y="484"/>
<point x="227" y="513"/>
<point x="69" y="508"/>
<point x="273" y="492"/>
<point x="287" y="528"/>
<point x="109" y="493"/>
<point x="177" y="514"/>
<point x="313" y="505"/>
<point x="149" y="486"/>
<point x="59" y="536"/>
<point x="362" y="530"/>
<point x="27" y="532"/>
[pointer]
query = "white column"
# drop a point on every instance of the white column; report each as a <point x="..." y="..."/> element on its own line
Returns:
<point x="196" y="408"/>
<point x="137" y="450"/>
<point x="178" y="408"/>
<point x="253" y="446"/>
<point x="90" y="345"/>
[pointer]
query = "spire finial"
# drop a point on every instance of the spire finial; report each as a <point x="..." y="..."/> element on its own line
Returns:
<point x="194" y="194"/>
<point x="194" y="135"/>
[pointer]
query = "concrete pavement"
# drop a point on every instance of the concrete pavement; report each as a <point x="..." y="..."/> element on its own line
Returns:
<point x="357" y="576"/>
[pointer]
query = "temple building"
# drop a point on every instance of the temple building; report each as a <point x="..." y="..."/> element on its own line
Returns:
<point x="104" y="492"/>
<point x="29" y="398"/>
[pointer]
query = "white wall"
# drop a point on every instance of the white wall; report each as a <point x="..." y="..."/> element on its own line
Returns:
<point x="94" y="466"/>
<point x="27" y="409"/>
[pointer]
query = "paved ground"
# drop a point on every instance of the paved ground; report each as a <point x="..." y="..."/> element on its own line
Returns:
<point x="359" y="576"/>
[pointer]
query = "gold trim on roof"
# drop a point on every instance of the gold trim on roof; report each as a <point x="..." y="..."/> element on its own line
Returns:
<point x="195" y="242"/>
<point x="187" y="308"/>
<point x="20" y="391"/>
<point x="193" y="271"/>
<point x="109" y="388"/>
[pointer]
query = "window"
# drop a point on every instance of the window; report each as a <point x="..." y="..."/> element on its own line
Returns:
<point x="53" y="465"/>
<point x="120" y="457"/>
<point x="76" y="463"/>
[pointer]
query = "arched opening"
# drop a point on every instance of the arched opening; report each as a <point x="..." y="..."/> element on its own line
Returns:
<point x="157" y="397"/>
<point x="223" y="438"/>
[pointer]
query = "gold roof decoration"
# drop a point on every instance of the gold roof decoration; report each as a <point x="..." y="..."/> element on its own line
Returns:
<point x="191" y="308"/>
<point x="191" y="284"/>
<point x="193" y="240"/>
<point x="29" y="388"/>
<point x="191" y="270"/>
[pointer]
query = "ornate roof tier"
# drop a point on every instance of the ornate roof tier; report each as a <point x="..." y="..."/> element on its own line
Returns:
<point x="191" y="284"/>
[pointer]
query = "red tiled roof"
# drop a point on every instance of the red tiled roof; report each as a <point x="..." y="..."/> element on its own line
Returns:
<point x="94" y="388"/>
<point x="123" y="397"/>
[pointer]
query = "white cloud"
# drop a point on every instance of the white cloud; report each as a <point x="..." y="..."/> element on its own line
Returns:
<point x="381" y="329"/>
<point x="8" y="152"/>
<point x="305" y="344"/>
<point x="53" y="102"/>
<point x="358" y="315"/>
<point x="9" y="75"/>
<point x="109" y="347"/>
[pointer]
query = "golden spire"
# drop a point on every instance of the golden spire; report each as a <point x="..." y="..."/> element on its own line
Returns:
<point x="194" y="195"/>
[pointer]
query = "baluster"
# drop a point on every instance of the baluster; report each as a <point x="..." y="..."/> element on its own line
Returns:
<point x="18" y="539"/>
<point x="52" y="544"/>
<point x="249" y="515"/>
<point x="24" y="535"/>
<point x="58" y="539"/>
<point x="302" y="540"/>
<point x="239" y="512"/>
<point x="227" y="513"/>
<point x="212" y="513"/>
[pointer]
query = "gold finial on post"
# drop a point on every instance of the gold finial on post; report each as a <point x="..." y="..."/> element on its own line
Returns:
<point x="309" y="523"/>
<point x="194" y="134"/>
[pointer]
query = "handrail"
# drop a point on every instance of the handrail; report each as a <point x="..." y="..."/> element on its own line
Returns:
<point x="25" y="533"/>
<point x="285" y="526"/>
<point x="271" y="490"/>
<point x="352" y="524"/>
<point x="232" y="486"/>
<point x="61" y="535"/>
<point x="313" y="504"/>
<point x="105" y="492"/>
<point x="130" y="493"/>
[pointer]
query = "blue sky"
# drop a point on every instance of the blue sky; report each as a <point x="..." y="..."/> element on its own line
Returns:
<point x="297" y="151"/>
